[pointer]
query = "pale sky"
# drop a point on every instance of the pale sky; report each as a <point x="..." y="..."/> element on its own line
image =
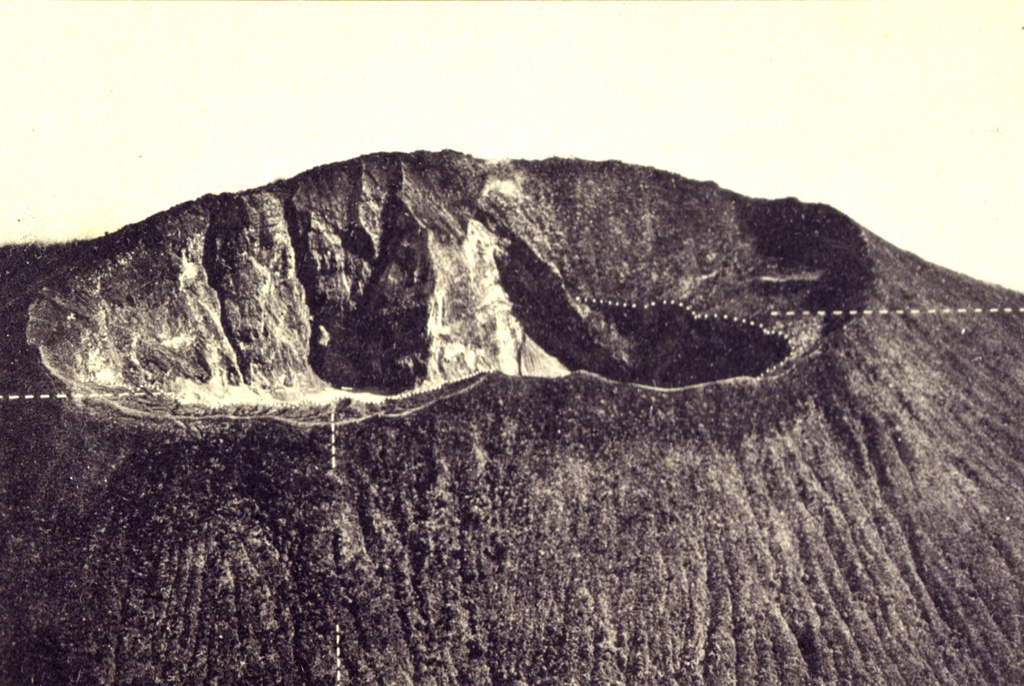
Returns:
<point x="907" y="117"/>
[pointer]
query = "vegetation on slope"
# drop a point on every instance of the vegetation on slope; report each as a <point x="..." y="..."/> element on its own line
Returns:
<point x="851" y="521"/>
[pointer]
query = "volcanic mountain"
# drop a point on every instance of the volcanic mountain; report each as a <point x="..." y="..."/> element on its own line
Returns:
<point x="428" y="419"/>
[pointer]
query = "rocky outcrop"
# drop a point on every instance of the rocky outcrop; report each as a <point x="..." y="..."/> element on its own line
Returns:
<point x="402" y="277"/>
<point x="391" y="272"/>
<point x="250" y="264"/>
<point x="142" y="316"/>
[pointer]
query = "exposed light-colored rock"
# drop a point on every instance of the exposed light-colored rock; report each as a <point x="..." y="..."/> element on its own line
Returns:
<point x="396" y="272"/>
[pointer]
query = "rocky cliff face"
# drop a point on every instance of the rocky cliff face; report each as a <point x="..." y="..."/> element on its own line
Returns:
<point x="393" y="272"/>
<point x="791" y="455"/>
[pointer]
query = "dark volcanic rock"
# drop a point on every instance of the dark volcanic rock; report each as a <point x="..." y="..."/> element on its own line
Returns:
<point x="720" y="497"/>
<point x="250" y="264"/>
<point x="397" y="271"/>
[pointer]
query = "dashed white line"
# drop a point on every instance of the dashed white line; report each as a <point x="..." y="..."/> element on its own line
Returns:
<point x="886" y="311"/>
<point x="66" y="396"/>
<point x="337" y="653"/>
<point x="334" y="446"/>
<point x="588" y="301"/>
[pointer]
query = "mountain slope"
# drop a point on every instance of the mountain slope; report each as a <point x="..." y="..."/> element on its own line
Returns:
<point x="744" y="498"/>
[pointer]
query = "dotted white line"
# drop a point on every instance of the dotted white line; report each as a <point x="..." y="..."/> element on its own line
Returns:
<point x="790" y="314"/>
<point x="716" y="316"/>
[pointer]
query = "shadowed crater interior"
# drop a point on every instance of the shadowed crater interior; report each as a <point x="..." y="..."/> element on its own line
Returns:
<point x="661" y="346"/>
<point x="671" y="347"/>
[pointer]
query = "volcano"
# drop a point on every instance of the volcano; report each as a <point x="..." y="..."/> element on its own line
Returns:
<point x="428" y="419"/>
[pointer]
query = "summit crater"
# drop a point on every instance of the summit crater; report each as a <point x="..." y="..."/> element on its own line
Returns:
<point x="393" y="272"/>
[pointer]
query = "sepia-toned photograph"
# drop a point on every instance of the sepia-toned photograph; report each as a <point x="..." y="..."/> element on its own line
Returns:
<point x="512" y="344"/>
